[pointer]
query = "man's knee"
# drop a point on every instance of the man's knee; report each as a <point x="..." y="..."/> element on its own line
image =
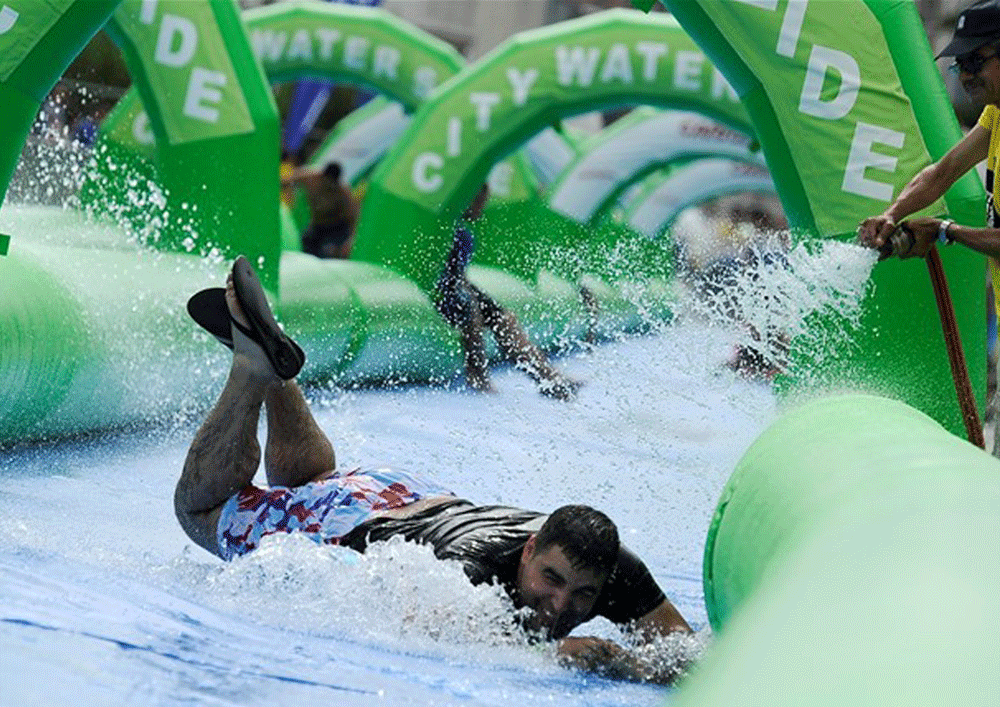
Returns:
<point x="454" y="302"/>
<point x="200" y="528"/>
<point x="493" y="314"/>
<point x="199" y="525"/>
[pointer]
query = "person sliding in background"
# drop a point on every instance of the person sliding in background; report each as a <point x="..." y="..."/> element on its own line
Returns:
<point x="468" y="309"/>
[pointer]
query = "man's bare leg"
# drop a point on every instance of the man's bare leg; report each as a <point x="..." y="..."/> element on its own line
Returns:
<point x="224" y="455"/>
<point x="297" y="451"/>
<point x="515" y="346"/>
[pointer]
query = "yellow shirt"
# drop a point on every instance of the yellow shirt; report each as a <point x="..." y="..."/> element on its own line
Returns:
<point x="989" y="119"/>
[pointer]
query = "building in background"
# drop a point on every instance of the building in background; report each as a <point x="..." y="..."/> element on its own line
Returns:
<point x="475" y="27"/>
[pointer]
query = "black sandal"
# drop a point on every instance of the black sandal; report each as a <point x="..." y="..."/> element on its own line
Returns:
<point x="284" y="354"/>
<point x="209" y="309"/>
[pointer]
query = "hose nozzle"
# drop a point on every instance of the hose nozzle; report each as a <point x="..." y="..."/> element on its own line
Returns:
<point x="900" y="242"/>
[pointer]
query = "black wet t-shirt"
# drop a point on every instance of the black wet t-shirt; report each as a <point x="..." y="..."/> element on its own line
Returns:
<point x="488" y="541"/>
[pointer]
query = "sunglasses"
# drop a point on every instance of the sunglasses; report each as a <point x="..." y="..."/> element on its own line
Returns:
<point x="971" y="63"/>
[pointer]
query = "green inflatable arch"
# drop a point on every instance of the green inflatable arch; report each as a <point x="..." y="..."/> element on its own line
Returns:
<point x="190" y="62"/>
<point x="35" y="49"/>
<point x="845" y="119"/>
<point x="618" y="57"/>
<point x="633" y="147"/>
<point x="654" y="212"/>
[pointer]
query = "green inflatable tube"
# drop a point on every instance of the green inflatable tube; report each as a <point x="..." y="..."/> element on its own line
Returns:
<point x="118" y="353"/>
<point x="125" y="353"/>
<point x="852" y="561"/>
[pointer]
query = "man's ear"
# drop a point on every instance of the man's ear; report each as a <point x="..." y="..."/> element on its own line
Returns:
<point x="529" y="548"/>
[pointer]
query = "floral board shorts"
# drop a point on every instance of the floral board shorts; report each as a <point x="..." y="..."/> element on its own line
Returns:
<point x="324" y="510"/>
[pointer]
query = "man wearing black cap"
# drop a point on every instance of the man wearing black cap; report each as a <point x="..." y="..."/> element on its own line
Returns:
<point x="975" y="47"/>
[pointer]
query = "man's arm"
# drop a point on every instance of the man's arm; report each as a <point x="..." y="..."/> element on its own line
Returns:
<point x="298" y="176"/>
<point x="610" y="660"/>
<point x="927" y="186"/>
<point x="661" y="621"/>
<point x="925" y="234"/>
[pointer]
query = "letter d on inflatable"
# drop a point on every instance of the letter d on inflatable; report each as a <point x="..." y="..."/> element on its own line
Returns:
<point x="854" y="559"/>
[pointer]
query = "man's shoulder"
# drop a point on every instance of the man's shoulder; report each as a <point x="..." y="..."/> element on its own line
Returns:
<point x="487" y="540"/>
<point x="988" y="118"/>
<point x="497" y="519"/>
<point x="630" y="592"/>
<point x="486" y="529"/>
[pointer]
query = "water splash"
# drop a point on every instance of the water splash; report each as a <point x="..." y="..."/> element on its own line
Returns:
<point x="396" y="589"/>
<point x="396" y="593"/>
<point x="794" y="308"/>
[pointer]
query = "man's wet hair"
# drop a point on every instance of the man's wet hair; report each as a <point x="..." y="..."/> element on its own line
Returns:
<point x="588" y="537"/>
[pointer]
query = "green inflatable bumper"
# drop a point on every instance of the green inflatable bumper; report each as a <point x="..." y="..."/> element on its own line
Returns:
<point x="852" y="560"/>
<point x="93" y="339"/>
<point x="96" y="336"/>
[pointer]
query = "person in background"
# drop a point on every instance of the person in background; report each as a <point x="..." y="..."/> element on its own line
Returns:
<point x="333" y="208"/>
<point x="751" y="244"/>
<point x="469" y="310"/>
<point x="764" y="356"/>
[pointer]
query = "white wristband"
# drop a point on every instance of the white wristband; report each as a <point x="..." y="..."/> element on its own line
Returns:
<point x="943" y="232"/>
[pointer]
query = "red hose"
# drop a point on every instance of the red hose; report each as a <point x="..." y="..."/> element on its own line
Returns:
<point x="953" y="343"/>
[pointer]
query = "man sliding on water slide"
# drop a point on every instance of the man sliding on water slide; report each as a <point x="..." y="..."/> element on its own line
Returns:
<point x="564" y="568"/>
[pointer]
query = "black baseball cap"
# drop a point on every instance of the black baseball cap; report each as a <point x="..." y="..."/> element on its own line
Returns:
<point x="978" y="25"/>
